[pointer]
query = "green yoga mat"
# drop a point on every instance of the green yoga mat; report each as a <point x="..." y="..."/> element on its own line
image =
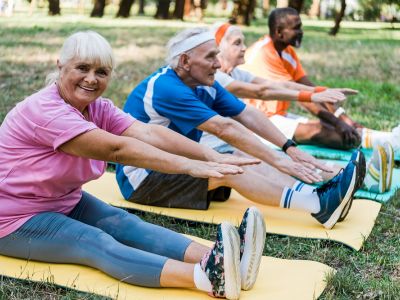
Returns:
<point x="327" y="153"/>
<point x="385" y="197"/>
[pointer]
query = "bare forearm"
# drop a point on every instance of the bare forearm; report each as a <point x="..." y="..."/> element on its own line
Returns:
<point x="243" y="139"/>
<point x="136" y="153"/>
<point x="296" y="86"/>
<point x="172" y="142"/>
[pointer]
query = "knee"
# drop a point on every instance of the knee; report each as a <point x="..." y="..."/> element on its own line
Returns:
<point x="118" y="219"/>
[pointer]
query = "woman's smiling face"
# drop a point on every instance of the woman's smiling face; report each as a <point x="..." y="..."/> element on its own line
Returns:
<point x="82" y="82"/>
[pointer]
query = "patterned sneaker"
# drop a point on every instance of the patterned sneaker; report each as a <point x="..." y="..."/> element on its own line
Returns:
<point x="222" y="265"/>
<point x="252" y="241"/>
<point x="375" y="180"/>
<point x="335" y="195"/>
<point x="358" y="157"/>
<point x="389" y="164"/>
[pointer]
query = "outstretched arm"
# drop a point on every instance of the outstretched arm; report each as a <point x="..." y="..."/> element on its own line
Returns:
<point x="343" y="124"/>
<point x="173" y="142"/>
<point x="237" y="135"/>
<point x="102" y="145"/>
<point x="268" y="90"/>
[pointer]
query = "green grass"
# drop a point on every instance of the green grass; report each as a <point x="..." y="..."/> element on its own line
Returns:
<point x="367" y="59"/>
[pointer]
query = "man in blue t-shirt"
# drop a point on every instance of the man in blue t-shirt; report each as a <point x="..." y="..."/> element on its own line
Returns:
<point x="184" y="97"/>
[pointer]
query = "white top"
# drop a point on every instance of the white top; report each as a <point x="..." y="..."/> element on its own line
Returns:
<point x="226" y="79"/>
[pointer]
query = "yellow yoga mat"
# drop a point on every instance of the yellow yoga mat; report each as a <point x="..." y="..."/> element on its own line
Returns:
<point x="278" y="279"/>
<point x="351" y="232"/>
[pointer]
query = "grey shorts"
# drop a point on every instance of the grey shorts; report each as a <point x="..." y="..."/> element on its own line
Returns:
<point x="225" y="148"/>
<point x="177" y="191"/>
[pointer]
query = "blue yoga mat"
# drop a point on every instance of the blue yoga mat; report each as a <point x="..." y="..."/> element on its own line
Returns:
<point x="327" y="153"/>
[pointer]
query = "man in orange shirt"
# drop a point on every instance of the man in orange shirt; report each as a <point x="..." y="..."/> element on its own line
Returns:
<point x="273" y="57"/>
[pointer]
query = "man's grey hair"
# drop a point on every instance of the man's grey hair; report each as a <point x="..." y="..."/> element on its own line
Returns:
<point x="177" y="40"/>
<point x="88" y="46"/>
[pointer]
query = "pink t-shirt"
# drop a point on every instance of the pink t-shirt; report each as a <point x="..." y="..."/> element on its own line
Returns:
<point x="35" y="176"/>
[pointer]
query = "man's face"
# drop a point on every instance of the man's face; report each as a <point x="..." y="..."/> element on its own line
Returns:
<point x="203" y="63"/>
<point x="290" y="32"/>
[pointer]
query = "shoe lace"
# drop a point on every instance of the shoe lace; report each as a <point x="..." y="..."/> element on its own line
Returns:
<point x="330" y="184"/>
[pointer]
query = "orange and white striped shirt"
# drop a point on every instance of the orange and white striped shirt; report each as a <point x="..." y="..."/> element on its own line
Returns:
<point x="263" y="60"/>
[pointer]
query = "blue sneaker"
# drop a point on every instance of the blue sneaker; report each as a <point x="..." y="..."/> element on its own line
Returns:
<point x="359" y="159"/>
<point x="335" y="195"/>
<point x="252" y="241"/>
<point x="222" y="265"/>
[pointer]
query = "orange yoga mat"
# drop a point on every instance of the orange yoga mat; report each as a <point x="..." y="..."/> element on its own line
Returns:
<point x="278" y="279"/>
<point x="352" y="232"/>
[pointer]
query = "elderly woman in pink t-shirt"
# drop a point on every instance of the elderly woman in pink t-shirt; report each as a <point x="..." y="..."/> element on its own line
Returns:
<point x="60" y="137"/>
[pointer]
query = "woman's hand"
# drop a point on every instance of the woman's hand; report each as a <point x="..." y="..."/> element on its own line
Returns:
<point x="346" y="91"/>
<point x="332" y="96"/>
<point x="206" y="169"/>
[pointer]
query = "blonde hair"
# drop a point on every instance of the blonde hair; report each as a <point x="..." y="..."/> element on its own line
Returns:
<point x="88" y="46"/>
<point x="175" y="41"/>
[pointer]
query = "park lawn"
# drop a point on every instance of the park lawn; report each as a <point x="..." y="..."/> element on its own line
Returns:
<point x="363" y="59"/>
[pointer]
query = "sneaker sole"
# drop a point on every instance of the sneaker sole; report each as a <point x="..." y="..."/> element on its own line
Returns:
<point x="361" y="170"/>
<point x="231" y="242"/>
<point x="250" y="264"/>
<point x="347" y="198"/>
<point x="390" y="165"/>
<point x="383" y="169"/>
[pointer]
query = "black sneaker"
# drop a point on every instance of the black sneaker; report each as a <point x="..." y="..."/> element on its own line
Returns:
<point x="222" y="265"/>
<point x="335" y="195"/>
<point x="252" y="241"/>
<point x="358" y="157"/>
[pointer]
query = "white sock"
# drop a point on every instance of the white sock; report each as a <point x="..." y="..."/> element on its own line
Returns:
<point x="291" y="199"/>
<point x="372" y="138"/>
<point x="200" y="279"/>
<point x="300" y="186"/>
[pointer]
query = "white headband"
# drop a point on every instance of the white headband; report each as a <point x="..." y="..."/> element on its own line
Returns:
<point x="191" y="43"/>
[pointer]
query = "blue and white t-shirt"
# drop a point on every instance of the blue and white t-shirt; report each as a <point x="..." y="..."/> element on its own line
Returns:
<point x="163" y="98"/>
<point x="225" y="79"/>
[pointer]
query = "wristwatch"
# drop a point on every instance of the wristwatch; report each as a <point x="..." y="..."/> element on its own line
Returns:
<point x="289" y="143"/>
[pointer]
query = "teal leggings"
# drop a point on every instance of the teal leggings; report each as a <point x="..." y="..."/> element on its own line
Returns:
<point x="98" y="235"/>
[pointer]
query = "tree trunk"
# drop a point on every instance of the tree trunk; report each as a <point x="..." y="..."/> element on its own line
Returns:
<point x="315" y="9"/>
<point x="242" y="12"/>
<point x="296" y="4"/>
<point x="125" y="8"/>
<point x="282" y="3"/>
<point x="265" y="7"/>
<point x="162" y="9"/>
<point x="54" y="7"/>
<point x="224" y="4"/>
<point x="179" y="9"/>
<point x="81" y="7"/>
<point x="98" y="8"/>
<point x="187" y="9"/>
<point x="142" y="3"/>
<point x="338" y="18"/>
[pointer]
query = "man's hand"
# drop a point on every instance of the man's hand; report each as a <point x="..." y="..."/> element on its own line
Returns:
<point x="307" y="160"/>
<point x="346" y="91"/>
<point x="205" y="169"/>
<point x="298" y="170"/>
<point x="350" y="136"/>
<point x="329" y="95"/>
<point x="233" y="159"/>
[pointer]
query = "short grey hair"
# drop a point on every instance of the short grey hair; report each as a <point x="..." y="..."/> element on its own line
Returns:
<point x="88" y="46"/>
<point x="177" y="40"/>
